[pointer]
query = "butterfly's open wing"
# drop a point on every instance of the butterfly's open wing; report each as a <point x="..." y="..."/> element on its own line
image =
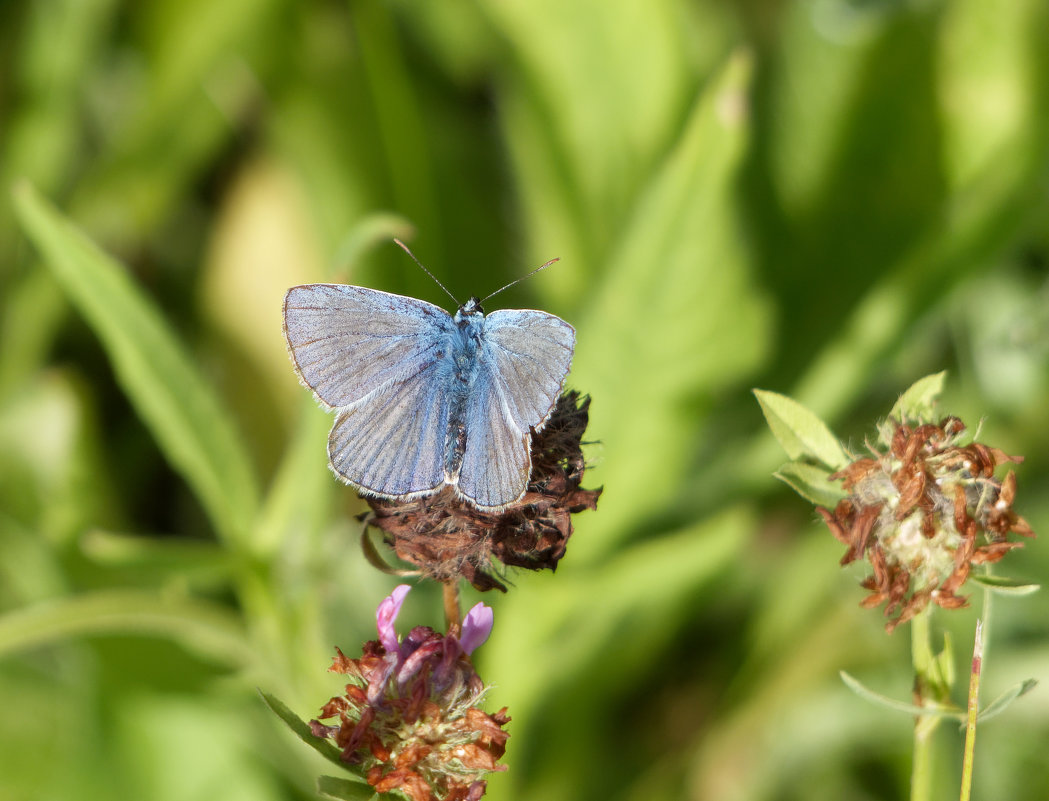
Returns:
<point x="392" y="441"/>
<point x="522" y="363"/>
<point x="374" y="357"/>
<point x="346" y="341"/>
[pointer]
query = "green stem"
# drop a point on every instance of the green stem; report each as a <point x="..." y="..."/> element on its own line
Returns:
<point x="452" y="615"/>
<point x="924" y="725"/>
<point x="974" y="707"/>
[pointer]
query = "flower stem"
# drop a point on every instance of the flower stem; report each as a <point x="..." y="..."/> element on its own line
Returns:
<point x="452" y="616"/>
<point x="924" y="725"/>
<point x="974" y="707"/>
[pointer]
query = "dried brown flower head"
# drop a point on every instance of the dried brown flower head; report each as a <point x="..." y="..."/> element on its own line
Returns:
<point x="410" y="716"/>
<point x="923" y="509"/>
<point x="447" y="538"/>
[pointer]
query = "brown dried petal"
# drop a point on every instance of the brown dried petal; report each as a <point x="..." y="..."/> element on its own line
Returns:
<point x="948" y="600"/>
<point x="407" y="781"/>
<point x="989" y="554"/>
<point x="855" y="472"/>
<point x="860" y="533"/>
<point x="910" y="481"/>
<point x="831" y="519"/>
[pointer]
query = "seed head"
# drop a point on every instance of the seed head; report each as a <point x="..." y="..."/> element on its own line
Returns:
<point x="923" y="509"/>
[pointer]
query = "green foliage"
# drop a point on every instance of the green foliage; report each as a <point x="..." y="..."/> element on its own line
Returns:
<point x="801" y="433"/>
<point x="823" y="197"/>
<point x="919" y="401"/>
<point x="302" y="730"/>
<point x="183" y="415"/>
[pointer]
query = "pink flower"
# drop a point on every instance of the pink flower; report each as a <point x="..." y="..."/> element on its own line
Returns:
<point x="386" y="616"/>
<point x="477" y="625"/>
<point x="411" y="717"/>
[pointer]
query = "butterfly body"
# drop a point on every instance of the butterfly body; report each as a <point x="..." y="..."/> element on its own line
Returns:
<point x="425" y="399"/>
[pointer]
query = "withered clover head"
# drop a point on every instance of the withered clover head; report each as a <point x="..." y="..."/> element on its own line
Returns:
<point x="410" y="716"/>
<point x="923" y="508"/>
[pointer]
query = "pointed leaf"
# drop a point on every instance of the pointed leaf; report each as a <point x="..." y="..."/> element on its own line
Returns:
<point x="203" y="627"/>
<point x="799" y="431"/>
<point x="811" y="483"/>
<point x="344" y="789"/>
<point x="999" y="704"/>
<point x="668" y="328"/>
<point x="364" y="236"/>
<point x="302" y="730"/>
<point x="899" y="706"/>
<point x="1000" y="585"/>
<point x="159" y="377"/>
<point x="919" y="400"/>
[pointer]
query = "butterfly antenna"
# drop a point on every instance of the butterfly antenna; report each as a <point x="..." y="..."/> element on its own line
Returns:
<point x="404" y="247"/>
<point x="522" y="278"/>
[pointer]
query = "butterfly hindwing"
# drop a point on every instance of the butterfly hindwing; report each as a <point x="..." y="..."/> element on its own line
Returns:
<point x="496" y="462"/>
<point x="392" y="441"/>
<point x="523" y="359"/>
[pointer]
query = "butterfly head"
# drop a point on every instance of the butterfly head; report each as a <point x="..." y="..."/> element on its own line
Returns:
<point x="472" y="308"/>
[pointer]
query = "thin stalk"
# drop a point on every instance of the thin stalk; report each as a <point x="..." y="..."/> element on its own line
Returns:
<point x="974" y="708"/>
<point x="452" y="615"/>
<point x="924" y="725"/>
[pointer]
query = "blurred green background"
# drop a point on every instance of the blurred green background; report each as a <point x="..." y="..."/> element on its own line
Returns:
<point x="826" y="198"/>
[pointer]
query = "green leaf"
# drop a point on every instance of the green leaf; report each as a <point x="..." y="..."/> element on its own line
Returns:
<point x="205" y="628"/>
<point x="799" y="431"/>
<point x="302" y="730"/>
<point x="811" y="483"/>
<point x="672" y="326"/>
<point x="344" y="789"/>
<point x="899" y="706"/>
<point x="1005" y="586"/>
<point x="999" y="704"/>
<point x="918" y="402"/>
<point x="164" y="385"/>
<point x="364" y="235"/>
<point x="159" y="561"/>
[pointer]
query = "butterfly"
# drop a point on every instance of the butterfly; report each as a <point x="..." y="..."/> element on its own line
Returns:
<point x="422" y="398"/>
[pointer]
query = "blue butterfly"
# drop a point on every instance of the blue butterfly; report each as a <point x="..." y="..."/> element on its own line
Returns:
<point x="424" y="399"/>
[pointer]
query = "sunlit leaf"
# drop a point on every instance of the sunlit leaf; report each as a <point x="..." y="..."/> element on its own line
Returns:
<point x="899" y="706"/>
<point x="159" y="377"/>
<point x="801" y="433"/>
<point x="918" y="402"/>
<point x="1002" y="702"/>
<point x="676" y="315"/>
<point x="203" y="627"/>
<point x="321" y="745"/>
<point x="811" y="483"/>
<point x="345" y="790"/>
<point x="1000" y="585"/>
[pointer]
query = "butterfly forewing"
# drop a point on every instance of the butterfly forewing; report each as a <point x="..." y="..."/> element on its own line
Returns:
<point x="346" y="341"/>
